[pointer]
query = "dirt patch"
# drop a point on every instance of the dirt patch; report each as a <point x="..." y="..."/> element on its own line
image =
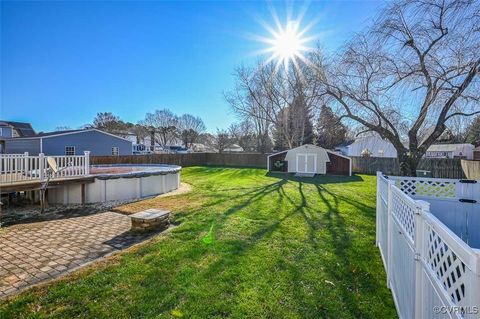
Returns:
<point x="173" y="201"/>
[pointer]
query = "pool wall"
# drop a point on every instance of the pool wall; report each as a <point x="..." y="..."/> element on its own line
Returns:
<point x="124" y="186"/>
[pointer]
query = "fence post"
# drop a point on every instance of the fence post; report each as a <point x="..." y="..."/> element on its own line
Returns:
<point x="26" y="167"/>
<point x="473" y="289"/>
<point x="87" y="162"/>
<point x="378" y="206"/>
<point x="389" y="232"/>
<point x="41" y="166"/>
<point x="418" y="241"/>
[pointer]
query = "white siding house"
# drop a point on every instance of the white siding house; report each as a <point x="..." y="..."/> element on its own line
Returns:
<point x="450" y="151"/>
<point x="373" y="144"/>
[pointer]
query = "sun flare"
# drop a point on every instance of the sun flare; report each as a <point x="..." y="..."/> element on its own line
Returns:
<point x="286" y="43"/>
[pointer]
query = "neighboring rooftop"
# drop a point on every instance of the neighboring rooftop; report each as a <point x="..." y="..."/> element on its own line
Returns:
<point x="22" y="129"/>
<point x="43" y="134"/>
<point x="449" y="147"/>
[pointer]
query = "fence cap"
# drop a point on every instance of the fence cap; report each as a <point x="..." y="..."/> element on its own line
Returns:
<point x="423" y="205"/>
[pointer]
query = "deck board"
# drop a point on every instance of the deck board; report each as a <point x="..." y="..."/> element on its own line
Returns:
<point x="25" y="185"/>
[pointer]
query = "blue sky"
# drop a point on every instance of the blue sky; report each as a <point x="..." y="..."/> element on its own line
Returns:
<point x="62" y="62"/>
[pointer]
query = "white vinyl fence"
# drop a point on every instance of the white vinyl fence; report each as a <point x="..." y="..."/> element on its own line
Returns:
<point x="431" y="271"/>
<point x="24" y="167"/>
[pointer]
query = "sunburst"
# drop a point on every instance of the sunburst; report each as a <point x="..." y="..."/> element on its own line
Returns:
<point x="287" y="43"/>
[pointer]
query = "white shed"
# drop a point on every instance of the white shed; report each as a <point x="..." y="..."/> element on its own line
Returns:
<point x="308" y="159"/>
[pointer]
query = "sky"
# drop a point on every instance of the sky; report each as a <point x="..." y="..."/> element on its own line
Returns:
<point x="62" y="62"/>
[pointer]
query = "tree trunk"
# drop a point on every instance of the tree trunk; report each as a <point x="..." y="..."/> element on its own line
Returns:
<point x="409" y="161"/>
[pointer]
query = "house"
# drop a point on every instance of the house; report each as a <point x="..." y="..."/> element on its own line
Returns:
<point x="234" y="148"/>
<point x="9" y="129"/>
<point x="71" y="142"/>
<point x="450" y="151"/>
<point x="202" y="148"/>
<point x="310" y="159"/>
<point x="371" y="144"/>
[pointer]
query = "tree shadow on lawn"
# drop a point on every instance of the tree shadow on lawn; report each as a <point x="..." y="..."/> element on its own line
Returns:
<point x="317" y="179"/>
<point x="344" y="269"/>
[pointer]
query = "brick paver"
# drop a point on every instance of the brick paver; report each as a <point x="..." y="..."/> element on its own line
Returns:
<point x="31" y="253"/>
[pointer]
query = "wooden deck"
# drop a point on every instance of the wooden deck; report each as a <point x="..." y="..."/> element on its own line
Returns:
<point x="34" y="184"/>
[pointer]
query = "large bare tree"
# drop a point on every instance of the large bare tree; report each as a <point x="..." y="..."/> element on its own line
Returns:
<point x="271" y="96"/>
<point x="243" y="134"/>
<point x="415" y="69"/>
<point x="163" y="126"/>
<point x="189" y="128"/>
<point x="109" y="122"/>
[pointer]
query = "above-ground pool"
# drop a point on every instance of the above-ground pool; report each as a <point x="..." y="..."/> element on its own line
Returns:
<point x="119" y="182"/>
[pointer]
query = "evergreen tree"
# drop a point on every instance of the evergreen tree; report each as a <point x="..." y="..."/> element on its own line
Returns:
<point x="330" y="130"/>
<point x="473" y="131"/>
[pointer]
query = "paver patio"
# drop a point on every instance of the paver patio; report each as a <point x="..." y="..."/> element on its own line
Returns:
<point x="35" y="252"/>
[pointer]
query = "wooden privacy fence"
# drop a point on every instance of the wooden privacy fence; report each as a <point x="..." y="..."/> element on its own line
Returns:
<point x="191" y="159"/>
<point x="440" y="167"/>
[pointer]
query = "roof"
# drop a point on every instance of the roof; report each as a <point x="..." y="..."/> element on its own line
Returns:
<point x="328" y="151"/>
<point x="42" y="134"/>
<point x="23" y="129"/>
<point x="68" y="132"/>
<point x="449" y="147"/>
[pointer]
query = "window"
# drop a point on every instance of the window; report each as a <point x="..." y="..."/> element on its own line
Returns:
<point x="115" y="150"/>
<point x="69" y="150"/>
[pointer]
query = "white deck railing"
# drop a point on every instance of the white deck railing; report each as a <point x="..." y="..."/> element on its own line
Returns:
<point x="431" y="271"/>
<point x="24" y="167"/>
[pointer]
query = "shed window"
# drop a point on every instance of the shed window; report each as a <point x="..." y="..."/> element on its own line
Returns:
<point x="69" y="150"/>
<point x="115" y="150"/>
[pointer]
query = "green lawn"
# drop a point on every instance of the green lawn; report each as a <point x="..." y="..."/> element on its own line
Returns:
<point x="247" y="245"/>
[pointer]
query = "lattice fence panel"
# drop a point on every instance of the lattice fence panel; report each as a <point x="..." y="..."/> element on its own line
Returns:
<point x="404" y="212"/>
<point x="427" y="188"/>
<point x="446" y="265"/>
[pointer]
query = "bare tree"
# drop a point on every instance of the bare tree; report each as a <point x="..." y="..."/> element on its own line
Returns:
<point x="141" y="132"/>
<point x="270" y="96"/>
<point x="222" y="141"/>
<point x="189" y="128"/>
<point x="416" y="67"/>
<point x="163" y="125"/>
<point x="108" y="122"/>
<point x="243" y="133"/>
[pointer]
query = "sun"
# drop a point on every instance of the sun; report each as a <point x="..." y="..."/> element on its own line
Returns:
<point x="287" y="43"/>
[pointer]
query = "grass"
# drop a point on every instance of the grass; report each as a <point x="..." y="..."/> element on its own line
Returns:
<point x="246" y="245"/>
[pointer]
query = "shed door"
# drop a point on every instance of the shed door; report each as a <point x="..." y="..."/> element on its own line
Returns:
<point x="301" y="160"/>
<point x="306" y="163"/>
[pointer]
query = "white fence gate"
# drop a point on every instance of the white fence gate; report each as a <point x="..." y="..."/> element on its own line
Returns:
<point x="431" y="271"/>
